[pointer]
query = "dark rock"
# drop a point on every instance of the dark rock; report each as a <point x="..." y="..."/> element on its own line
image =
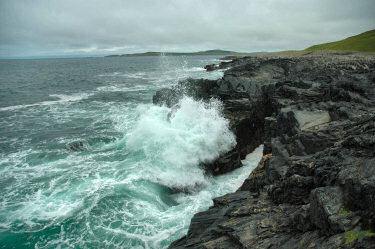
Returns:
<point x="198" y="89"/>
<point x="225" y="163"/>
<point x="258" y="178"/>
<point x="360" y="195"/>
<point x="166" y="97"/>
<point x="76" y="146"/>
<point x="211" y="67"/>
<point x="316" y="182"/>
<point x="326" y="205"/>
<point x="301" y="219"/>
<point x="294" y="189"/>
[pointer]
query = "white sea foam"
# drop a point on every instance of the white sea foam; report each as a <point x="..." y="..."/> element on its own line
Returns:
<point x="118" y="194"/>
<point x="62" y="98"/>
<point x="194" y="69"/>
<point x="71" y="181"/>
<point x="136" y="75"/>
<point x="178" y="217"/>
<point x="121" y="88"/>
<point x="165" y="151"/>
<point x="194" y="133"/>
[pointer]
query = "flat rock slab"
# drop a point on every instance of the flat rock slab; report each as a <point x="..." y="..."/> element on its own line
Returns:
<point x="311" y="120"/>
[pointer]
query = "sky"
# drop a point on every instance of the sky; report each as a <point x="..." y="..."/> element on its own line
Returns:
<point x="101" y="27"/>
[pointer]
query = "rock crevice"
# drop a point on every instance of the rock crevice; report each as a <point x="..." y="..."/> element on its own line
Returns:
<point x="315" y="187"/>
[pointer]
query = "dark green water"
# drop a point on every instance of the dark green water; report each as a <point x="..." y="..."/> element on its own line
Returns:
<point x="117" y="188"/>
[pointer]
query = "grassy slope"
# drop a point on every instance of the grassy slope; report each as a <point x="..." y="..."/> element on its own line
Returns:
<point x="364" y="42"/>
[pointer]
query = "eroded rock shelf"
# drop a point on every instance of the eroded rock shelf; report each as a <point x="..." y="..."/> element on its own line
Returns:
<point x="315" y="187"/>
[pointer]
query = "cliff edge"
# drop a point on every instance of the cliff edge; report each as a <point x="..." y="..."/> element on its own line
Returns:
<point x="315" y="186"/>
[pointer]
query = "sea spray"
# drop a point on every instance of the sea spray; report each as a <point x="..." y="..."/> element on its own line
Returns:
<point x="175" y="142"/>
<point x="129" y="186"/>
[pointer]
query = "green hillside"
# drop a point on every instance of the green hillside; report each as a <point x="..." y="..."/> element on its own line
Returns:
<point x="364" y="42"/>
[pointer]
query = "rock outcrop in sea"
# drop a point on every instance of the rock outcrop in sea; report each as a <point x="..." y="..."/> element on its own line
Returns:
<point x="315" y="186"/>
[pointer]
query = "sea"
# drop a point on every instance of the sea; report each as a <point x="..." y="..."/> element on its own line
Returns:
<point x="87" y="161"/>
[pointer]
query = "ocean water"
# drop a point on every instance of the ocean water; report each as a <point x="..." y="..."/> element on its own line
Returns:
<point x="87" y="161"/>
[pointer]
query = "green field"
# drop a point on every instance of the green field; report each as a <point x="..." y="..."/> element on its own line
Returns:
<point x="364" y="42"/>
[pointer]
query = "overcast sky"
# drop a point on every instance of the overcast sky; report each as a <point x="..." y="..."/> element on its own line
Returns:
<point x="98" y="27"/>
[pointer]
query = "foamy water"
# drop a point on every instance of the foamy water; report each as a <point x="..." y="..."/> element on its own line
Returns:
<point x="136" y="181"/>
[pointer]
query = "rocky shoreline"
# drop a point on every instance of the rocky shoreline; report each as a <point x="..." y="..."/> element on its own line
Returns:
<point x="315" y="187"/>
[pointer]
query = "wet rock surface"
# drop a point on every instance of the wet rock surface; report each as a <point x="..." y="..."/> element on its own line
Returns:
<point x="244" y="105"/>
<point x="315" y="187"/>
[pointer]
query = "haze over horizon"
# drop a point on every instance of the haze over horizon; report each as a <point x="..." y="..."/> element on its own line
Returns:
<point x="91" y="28"/>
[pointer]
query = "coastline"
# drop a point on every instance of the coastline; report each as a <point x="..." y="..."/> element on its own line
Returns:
<point x="315" y="187"/>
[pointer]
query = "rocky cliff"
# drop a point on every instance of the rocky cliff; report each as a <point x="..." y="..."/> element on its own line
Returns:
<point x="315" y="186"/>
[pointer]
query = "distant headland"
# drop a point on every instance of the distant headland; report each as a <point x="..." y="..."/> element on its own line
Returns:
<point x="207" y="52"/>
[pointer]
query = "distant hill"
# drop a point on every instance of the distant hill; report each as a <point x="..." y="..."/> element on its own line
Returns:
<point x="207" y="52"/>
<point x="364" y="42"/>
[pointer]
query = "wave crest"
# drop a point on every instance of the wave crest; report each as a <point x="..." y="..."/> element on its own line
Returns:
<point x="175" y="142"/>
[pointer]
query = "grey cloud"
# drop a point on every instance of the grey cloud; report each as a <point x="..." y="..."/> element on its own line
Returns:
<point x="100" y="27"/>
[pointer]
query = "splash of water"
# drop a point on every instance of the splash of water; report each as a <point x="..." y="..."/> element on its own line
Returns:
<point x="174" y="147"/>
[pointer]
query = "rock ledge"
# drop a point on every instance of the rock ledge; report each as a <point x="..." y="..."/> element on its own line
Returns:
<point x="315" y="186"/>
